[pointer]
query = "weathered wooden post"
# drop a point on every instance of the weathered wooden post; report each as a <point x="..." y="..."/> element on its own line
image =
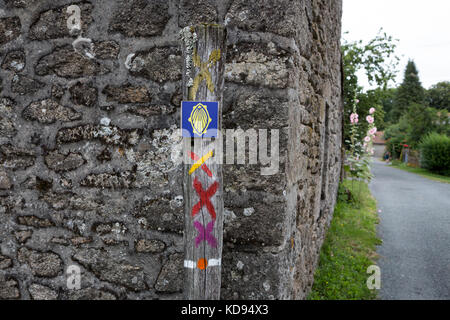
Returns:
<point x="204" y="49"/>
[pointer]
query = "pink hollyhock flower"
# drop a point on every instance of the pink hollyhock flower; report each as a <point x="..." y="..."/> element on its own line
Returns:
<point x="354" y="118"/>
<point x="373" y="131"/>
<point x="367" y="139"/>
<point x="372" y="110"/>
<point x="357" y="101"/>
<point x="370" y="119"/>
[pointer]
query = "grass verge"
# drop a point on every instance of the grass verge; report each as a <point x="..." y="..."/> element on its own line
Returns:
<point x="422" y="172"/>
<point x="349" y="247"/>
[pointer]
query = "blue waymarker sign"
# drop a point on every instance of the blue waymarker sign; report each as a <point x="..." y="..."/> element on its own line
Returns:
<point x="199" y="119"/>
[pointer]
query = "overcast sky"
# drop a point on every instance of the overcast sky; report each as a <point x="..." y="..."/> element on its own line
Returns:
<point x="422" y="27"/>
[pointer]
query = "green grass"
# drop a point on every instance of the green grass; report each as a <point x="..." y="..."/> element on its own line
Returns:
<point x="423" y="172"/>
<point x="349" y="248"/>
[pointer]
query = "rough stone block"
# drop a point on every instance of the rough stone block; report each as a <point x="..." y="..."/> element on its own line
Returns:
<point x="23" y="236"/>
<point x="9" y="288"/>
<point x="42" y="264"/>
<point x="7" y="115"/>
<point x="149" y="246"/>
<point x="5" y="262"/>
<point x="127" y="94"/>
<point x="254" y="218"/>
<point x="108" y="269"/>
<point x="118" y="180"/>
<point x="104" y="156"/>
<point x="75" y="134"/>
<point x="79" y="241"/>
<point x="52" y="24"/>
<point x="57" y="92"/>
<point x="5" y="182"/>
<point x="49" y="111"/>
<point x="14" y="61"/>
<point x="250" y="276"/>
<point x="25" y="85"/>
<point x="158" y="64"/>
<point x="259" y="64"/>
<point x="33" y="221"/>
<point x="171" y="276"/>
<point x="11" y="204"/>
<point x="151" y="110"/>
<point x="84" y="94"/>
<point x="9" y="29"/>
<point x="159" y="164"/>
<point x="60" y="162"/>
<point x="67" y="63"/>
<point x="195" y="12"/>
<point x="106" y="50"/>
<point x="91" y="294"/>
<point x="140" y="18"/>
<point x="255" y="109"/>
<point x="40" y="292"/>
<point x="16" y="158"/>
<point x="7" y="128"/>
<point x="18" y="3"/>
<point x="275" y="16"/>
<point x="107" y="134"/>
<point x="161" y="214"/>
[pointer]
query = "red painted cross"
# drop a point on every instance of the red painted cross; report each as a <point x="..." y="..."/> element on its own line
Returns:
<point x="204" y="166"/>
<point x="204" y="198"/>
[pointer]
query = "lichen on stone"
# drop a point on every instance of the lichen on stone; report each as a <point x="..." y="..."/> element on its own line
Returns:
<point x="189" y="37"/>
<point x="164" y="156"/>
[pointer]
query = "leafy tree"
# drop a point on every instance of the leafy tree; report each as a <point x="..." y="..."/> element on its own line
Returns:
<point x="378" y="60"/>
<point x="396" y="136"/>
<point x="422" y="120"/>
<point x="438" y="96"/>
<point x="409" y="92"/>
<point x="373" y="99"/>
<point x="368" y="100"/>
<point x="443" y="122"/>
<point x="387" y="99"/>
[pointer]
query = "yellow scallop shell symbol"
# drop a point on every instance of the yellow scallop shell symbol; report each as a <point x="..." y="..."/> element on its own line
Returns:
<point x="200" y="119"/>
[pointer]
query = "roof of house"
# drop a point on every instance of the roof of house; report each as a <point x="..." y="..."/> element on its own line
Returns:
<point x="379" y="138"/>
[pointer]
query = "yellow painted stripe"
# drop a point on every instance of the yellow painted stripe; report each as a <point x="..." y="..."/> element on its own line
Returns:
<point x="200" y="162"/>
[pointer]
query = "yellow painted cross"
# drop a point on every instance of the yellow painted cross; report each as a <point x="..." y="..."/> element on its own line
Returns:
<point x="200" y="161"/>
<point x="204" y="73"/>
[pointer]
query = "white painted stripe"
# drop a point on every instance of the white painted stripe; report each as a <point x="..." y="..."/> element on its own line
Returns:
<point x="211" y="263"/>
<point x="214" y="262"/>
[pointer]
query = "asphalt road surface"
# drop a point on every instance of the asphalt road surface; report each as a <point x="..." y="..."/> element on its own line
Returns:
<point x="415" y="229"/>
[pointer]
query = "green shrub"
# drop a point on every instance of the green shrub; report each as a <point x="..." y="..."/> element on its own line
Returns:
<point x="435" y="153"/>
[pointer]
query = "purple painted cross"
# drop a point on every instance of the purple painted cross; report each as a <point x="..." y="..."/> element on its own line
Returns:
<point x="204" y="234"/>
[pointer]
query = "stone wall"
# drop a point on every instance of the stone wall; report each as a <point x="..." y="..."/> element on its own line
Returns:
<point x="89" y="145"/>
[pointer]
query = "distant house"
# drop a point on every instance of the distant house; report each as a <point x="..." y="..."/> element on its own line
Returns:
<point x="442" y="118"/>
<point x="379" y="144"/>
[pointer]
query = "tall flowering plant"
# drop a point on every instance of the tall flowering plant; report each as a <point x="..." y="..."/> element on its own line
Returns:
<point x="358" y="157"/>
<point x="368" y="140"/>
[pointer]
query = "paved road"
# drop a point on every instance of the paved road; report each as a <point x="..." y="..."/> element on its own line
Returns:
<point x="415" y="229"/>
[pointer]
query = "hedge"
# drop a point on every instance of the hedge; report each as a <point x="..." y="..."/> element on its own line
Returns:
<point x="435" y="153"/>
